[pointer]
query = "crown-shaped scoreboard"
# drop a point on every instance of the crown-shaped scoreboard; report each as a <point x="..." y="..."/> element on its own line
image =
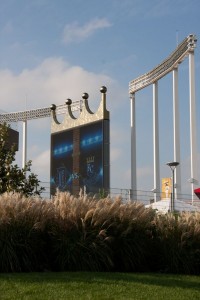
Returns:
<point x="80" y="148"/>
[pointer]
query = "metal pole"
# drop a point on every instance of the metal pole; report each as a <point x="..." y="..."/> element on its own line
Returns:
<point x="24" y="150"/>
<point x="156" y="144"/>
<point x="172" y="166"/>
<point x="171" y="201"/>
<point x="193" y="142"/>
<point x="176" y="129"/>
<point x="133" y="149"/>
<point x="172" y="190"/>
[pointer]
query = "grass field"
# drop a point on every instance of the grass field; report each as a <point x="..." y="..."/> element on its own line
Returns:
<point x="80" y="285"/>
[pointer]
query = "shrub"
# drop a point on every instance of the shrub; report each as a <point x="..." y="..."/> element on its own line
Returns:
<point x="22" y="229"/>
<point x="84" y="234"/>
<point x="76" y="242"/>
<point x="179" y="242"/>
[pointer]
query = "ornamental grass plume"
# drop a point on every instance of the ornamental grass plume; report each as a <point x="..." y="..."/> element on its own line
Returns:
<point x="99" y="235"/>
<point x="75" y="243"/>
<point x="22" y="224"/>
<point x="80" y="233"/>
<point x="179" y="242"/>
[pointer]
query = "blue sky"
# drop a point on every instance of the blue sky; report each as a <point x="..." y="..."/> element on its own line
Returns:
<point x="53" y="50"/>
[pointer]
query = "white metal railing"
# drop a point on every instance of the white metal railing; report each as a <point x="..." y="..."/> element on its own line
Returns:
<point x="171" y="62"/>
<point x="145" y="197"/>
<point x="37" y="113"/>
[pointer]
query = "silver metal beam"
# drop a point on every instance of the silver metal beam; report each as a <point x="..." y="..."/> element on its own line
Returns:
<point x="133" y="150"/>
<point x="193" y="139"/>
<point x="176" y="135"/>
<point x="171" y="62"/>
<point x="38" y="113"/>
<point x="156" y="155"/>
<point x="24" y="145"/>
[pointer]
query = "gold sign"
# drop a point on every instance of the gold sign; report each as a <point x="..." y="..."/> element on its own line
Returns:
<point x="166" y="188"/>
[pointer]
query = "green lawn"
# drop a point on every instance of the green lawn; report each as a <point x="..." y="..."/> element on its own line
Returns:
<point x="80" y="285"/>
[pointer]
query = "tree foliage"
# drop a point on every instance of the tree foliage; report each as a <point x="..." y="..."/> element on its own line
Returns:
<point x="12" y="178"/>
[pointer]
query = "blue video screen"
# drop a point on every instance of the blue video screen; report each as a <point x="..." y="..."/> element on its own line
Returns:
<point x="77" y="159"/>
<point x="91" y="157"/>
<point x="61" y="161"/>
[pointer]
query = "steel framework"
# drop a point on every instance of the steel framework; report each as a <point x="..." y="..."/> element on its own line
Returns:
<point x="38" y="113"/>
<point x="170" y="64"/>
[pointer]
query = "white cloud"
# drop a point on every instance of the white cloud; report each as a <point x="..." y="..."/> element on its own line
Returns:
<point x="76" y="33"/>
<point x="52" y="81"/>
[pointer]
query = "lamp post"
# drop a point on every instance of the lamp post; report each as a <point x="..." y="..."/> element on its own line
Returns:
<point x="172" y="166"/>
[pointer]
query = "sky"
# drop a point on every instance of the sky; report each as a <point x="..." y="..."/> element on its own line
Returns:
<point x="51" y="50"/>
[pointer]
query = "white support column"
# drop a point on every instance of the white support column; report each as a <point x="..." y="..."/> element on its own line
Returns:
<point x="176" y="129"/>
<point x="156" y="144"/>
<point x="133" y="149"/>
<point x="24" y="150"/>
<point x="193" y="141"/>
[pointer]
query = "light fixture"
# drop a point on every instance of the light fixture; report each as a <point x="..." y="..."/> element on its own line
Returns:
<point x="172" y="166"/>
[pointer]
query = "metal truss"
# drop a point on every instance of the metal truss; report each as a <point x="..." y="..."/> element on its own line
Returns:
<point x="170" y="63"/>
<point x="37" y="113"/>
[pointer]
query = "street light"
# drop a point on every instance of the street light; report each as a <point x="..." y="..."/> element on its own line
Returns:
<point x="172" y="166"/>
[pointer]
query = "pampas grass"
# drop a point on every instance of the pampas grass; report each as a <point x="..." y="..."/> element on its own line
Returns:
<point x="22" y="225"/>
<point x="179" y="247"/>
<point x="71" y="233"/>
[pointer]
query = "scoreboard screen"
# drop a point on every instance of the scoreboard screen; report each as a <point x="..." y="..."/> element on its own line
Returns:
<point x="80" y="158"/>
